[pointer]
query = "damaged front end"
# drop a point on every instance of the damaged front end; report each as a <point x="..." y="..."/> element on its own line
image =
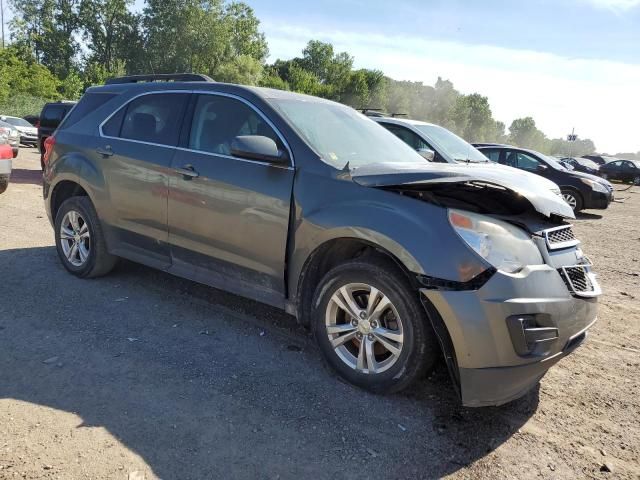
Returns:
<point x="501" y="330"/>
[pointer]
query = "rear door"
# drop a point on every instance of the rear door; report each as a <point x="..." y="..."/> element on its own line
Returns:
<point x="613" y="170"/>
<point x="229" y="217"/>
<point x="136" y="147"/>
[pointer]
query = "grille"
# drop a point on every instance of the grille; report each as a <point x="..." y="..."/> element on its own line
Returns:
<point x="577" y="279"/>
<point x="562" y="235"/>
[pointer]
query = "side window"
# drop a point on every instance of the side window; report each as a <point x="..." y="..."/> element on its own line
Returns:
<point x="615" y="164"/>
<point x="154" y="118"/>
<point x="407" y="136"/>
<point x="627" y="166"/>
<point x="88" y="104"/>
<point x="521" y="160"/>
<point x="493" y="155"/>
<point x="52" y="116"/>
<point x="113" y="126"/>
<point x="217" y="120"/>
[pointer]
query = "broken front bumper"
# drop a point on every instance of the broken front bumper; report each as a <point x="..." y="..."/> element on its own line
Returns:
<point x="507" y="334"/>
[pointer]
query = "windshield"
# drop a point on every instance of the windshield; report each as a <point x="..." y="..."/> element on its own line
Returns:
<point x="587" y="163"/>
<point x="553" y="162"/>
<point x="340" y="135"/>
<point x="18" y="122"/>
<point x="451" y="145"/>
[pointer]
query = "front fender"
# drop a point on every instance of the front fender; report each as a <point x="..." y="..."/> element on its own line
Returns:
<point x="416" y="233"/>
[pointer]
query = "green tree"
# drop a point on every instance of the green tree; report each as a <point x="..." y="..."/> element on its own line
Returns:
<point x="524" y="133"/>
<point x="18" y="76"/>
<point x="203" y="36"/>
<point x="111" y="33"/>
<point x="48" y="28"/>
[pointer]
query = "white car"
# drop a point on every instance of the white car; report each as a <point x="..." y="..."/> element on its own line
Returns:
<point x="28" y="133"/>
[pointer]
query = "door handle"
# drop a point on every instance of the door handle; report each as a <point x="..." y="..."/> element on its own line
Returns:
<point x="188" y="172"/>
<point x="105" y="152"/>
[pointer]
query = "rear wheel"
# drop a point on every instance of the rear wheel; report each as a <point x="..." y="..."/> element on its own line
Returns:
<point x="605" y="176"/>
<point x="371" y="327"/>
<point x="80" y="241"/>
<point x="573" y="198"/>
<point x="636" y="180"/>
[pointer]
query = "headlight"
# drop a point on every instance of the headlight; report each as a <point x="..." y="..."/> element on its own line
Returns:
<point x="597" y="186"/>
<point x="505" y="246"/>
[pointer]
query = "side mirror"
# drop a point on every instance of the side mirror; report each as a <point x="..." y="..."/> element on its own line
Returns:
<point x="427" y="154"/>
<point x="257" y="147"/>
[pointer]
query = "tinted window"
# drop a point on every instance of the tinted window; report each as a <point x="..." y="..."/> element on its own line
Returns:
<point x="493" y="155"/>
<point x="52" y="115"/>
<point x="407" y="136"/>
<point x="521" y="160"/>
<point x="112" y="127"/>
<point x="615" y="164"/>
<point x="154" y="118"/>
<point x="218" y="120"/>
<point x="88" y="103"/>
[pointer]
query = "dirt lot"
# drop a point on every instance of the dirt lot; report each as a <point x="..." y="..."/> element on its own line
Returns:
<point x="143" y="375"/>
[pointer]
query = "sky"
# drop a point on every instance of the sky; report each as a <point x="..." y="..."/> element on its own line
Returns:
<point x="567" y="63"/>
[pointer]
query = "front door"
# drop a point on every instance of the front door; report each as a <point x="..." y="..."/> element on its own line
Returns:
<point x="136" y="147"/>
<point x="229" y="217"/>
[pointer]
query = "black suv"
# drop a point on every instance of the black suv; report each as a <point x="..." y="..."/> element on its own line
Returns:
<point x="580" y="190"/>
<point x="51" y="116"/>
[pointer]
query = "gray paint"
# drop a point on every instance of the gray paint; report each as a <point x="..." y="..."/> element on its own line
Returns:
<point x="250" y="227"/>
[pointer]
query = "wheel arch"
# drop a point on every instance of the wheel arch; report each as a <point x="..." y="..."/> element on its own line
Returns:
<point x="336" y="250"/>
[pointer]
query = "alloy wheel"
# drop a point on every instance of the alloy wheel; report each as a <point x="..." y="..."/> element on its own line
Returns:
<point x="570" y="199"/>
<point x="364" y="328"/>
<point x="75" y="238"/>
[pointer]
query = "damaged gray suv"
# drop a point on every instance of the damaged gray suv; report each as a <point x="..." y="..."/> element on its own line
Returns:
<point x="309" y="206"/>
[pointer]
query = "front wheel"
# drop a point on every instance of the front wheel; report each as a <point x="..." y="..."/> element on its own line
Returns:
<point x="371" y="327"/>
<point x="573" y="199"/>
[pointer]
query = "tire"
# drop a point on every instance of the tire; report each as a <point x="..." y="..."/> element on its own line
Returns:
<point x="636" y="180"/>
<point x="573" y="198"/>
<point x="383" y="371"/>
<point x="605" y="176"/>
<point x="4" y="184"/>
<point x="91" y="258"/>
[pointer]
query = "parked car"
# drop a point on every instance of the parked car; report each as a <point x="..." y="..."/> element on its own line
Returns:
<point x="433" y="142"/>
<point x="11" y="136"/>
<point x="52" y="114"/>
<point x="580" y="190"/>
<point x="600" y="159"/>
<point x="33" y="120"/>
<point x="6" y="154"/>
<point x="622" y="170"/>
<point x="28" y="133"/>
<point x="583" y="165"/>
<point x="227" y="185"/>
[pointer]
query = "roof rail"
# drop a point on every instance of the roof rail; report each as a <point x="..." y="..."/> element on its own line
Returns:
<point x="394" y="115"/>
<point x="162" y="77"/>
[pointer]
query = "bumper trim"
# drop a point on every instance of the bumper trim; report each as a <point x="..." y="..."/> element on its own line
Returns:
<point x="484" y="387"/>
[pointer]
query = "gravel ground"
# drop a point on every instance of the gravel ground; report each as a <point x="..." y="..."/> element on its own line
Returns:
<point x="144" y="375"/>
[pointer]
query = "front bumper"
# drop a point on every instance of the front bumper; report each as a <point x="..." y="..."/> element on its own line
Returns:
<point x="490" y="371"/>
<point x="28" y="139"/>
<point x="598" y="200"/>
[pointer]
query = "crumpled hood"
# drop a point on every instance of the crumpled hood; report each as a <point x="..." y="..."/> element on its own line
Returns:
<point x="539" y="191"/>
